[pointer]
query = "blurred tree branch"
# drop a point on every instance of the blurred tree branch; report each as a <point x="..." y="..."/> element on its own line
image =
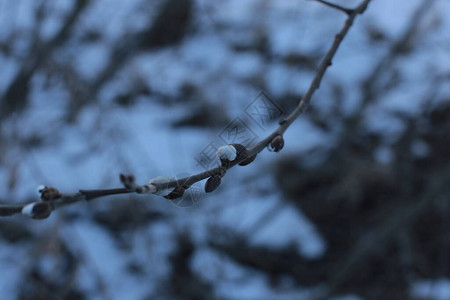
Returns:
<point x="15" y="97"/>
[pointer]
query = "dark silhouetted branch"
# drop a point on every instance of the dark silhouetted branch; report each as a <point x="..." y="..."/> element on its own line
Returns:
<point x="348" y="11"/>
<point x="166" y="187"/>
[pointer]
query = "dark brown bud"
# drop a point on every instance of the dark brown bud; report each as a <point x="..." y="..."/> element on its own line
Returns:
<point x="123" y="178"/>
<point x="277" y="144"/>
<point x="212" y="183"/>
<point x="178" y="192"/>
<point x="127" y="181"/>
<point x="41" y="210"/>
<point x="225" y="163"/>
<point x="248" y="160"/>
<point x="49" y="193"/>
<point x="241" y="152"/>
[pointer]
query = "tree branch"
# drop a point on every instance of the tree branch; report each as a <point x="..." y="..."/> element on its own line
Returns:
<point x="348" y="11"/>
<point x="52" y="199"/>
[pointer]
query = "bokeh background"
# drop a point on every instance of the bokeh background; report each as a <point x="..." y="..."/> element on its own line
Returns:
<point x="356" y="206"/>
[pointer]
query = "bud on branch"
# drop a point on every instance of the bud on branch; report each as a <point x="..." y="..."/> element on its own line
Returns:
<point x="229" y="155"/>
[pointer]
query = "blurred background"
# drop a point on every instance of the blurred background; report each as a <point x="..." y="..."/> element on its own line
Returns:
<point x="355" y="206"/>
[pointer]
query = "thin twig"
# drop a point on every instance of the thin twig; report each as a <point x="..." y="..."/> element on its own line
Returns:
<point x="128" y="181"/>
<point x="348" y="11"/>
